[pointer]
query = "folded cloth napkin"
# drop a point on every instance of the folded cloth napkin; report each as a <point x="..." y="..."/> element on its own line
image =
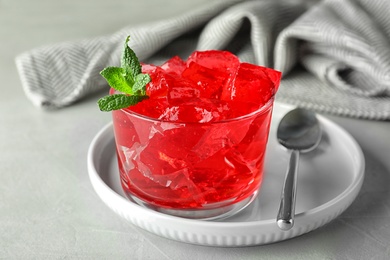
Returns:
<point x="334" y="54"/>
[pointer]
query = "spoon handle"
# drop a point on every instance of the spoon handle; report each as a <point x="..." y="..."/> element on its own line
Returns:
<point x="285" y="218"/>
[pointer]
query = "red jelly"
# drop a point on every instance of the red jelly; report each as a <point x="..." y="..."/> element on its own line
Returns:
<point x="199" y="141"/>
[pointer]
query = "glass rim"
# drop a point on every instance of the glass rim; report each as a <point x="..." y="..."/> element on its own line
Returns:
<point x="260" y="110"/>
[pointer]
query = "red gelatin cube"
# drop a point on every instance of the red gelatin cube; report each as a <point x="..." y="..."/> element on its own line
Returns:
<point x="160" y="80"/>
<point x="252" y="84"/>
<point x="210" y="81"/>
<point x="180" y="93"/>
<point x="181" y="90"/>
<point x="196" y="110"/>
<point x="161" y="157"/>
<point x="148" y="68"/>
<point x="222" y="61"/>
<point x="256" y="137"/>
<point x="166" y="152"/>
<point x="170" y="114"/>
<point x="151" y="107"/>
<point x="174" y="65"/>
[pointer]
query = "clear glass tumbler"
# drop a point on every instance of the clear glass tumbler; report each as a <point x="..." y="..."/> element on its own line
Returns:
<point x="192" y="170"/>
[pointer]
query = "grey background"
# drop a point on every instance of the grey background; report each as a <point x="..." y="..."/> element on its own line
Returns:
<point x="48" y="209"/>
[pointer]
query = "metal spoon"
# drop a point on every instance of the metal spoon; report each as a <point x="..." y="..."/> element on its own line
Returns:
<point x="298" y="131"/>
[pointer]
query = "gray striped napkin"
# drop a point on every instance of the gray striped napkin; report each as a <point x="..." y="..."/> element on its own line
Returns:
<point x="334" y="54"/>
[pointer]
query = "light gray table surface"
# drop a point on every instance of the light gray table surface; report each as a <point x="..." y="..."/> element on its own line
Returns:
<point x="48" y="208"/>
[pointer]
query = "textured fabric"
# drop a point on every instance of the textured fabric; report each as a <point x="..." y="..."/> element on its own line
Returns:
<point x="334" y="54"/>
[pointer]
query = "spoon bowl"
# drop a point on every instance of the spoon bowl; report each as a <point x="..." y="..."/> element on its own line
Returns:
<point x="298" y="131"/>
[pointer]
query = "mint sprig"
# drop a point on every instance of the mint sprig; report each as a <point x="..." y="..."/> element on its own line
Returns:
<point x="127" y="79"/>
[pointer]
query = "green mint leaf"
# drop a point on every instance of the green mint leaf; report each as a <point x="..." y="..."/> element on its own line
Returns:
<point x="140" y="83"/>
<point x="118" y="101"/>
<point x="115" y="78"/>
<point x="130" y="62"/>
<point x="127" y="79"/>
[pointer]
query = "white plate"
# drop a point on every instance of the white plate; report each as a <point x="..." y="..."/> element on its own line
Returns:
<point x="329" y="180"/>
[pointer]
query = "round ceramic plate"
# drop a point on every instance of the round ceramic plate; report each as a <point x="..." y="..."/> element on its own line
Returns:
<point x="329" y="180"/>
